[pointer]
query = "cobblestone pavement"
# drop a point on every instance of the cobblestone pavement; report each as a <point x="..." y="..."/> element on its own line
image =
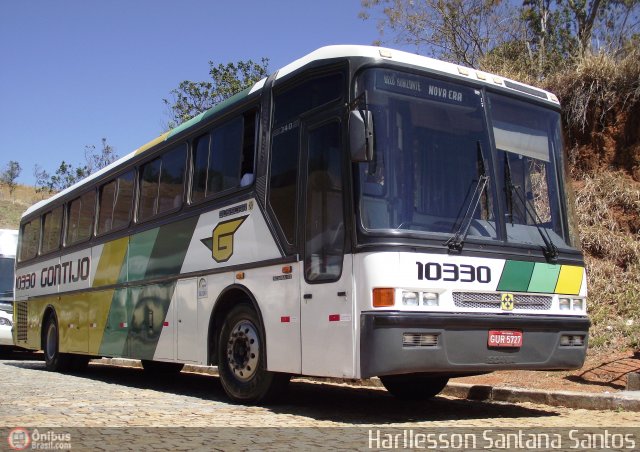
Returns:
<point x="109" y="396"/>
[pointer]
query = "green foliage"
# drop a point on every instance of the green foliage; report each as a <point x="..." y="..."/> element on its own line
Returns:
<point x="9" y="175"/>
<point x="67" y="174"/>
<point x="192" y="98"/>
<point x="533" y="38"/>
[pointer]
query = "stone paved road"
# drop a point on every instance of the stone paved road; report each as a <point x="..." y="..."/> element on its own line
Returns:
<point x="109" y="396"/>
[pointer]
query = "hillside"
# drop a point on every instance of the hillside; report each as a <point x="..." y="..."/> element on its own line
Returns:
<point x="12" y="207"/>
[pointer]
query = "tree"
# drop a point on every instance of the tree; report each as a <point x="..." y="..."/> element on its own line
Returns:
<point x="192" y="98"/>
<point x="460" y="31"/>
<point x="542" y="35"/>
<point x="9" y="175"/>
<point x="67" y="174"/>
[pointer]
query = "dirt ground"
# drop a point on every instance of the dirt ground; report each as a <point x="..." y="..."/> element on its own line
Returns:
<point x="603" y="371"/>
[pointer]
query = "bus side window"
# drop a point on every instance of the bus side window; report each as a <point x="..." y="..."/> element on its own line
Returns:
<point x="162" y="183"/>
<point x="115" y="201"/>
<point x="51" y="230"/>
<point x="29" y="240"/>
<point x="223" y="157"/>
<point x="80" y="216"/>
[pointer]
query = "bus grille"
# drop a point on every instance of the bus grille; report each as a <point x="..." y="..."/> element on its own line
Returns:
<point x="474" y="300"/>
<point x="21" y="321"/>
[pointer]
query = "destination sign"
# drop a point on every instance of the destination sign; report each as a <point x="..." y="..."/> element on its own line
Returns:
<point x="426" y="88"/>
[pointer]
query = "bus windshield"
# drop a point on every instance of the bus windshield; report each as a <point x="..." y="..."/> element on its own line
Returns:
<point x="432" y="147"/>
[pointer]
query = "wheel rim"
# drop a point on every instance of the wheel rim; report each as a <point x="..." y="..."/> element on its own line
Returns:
<point x="52" y="342"/>
<point x="243" y="350"/>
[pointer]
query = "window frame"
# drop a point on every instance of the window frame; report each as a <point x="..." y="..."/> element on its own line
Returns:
<point x="99" y="188"/>
<point x="67" y="209"/>
<point x="184" y="146"/>
<point x="251" y="111"/>
<point x="43" y="225"/>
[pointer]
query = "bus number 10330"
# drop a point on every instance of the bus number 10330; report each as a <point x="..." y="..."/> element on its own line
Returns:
<point x="434" y="271"/>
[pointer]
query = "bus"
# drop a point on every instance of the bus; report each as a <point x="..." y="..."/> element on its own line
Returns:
<point x="361" y="212"/>
<point x="8" y="246"/>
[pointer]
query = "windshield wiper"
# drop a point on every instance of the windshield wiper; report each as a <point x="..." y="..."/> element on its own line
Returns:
<point x="456" y="242"/>
<point x="549" y="250"/>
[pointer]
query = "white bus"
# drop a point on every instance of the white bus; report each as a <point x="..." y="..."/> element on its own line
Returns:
<point x="361" y="212"/>
<point x="8" y="246"/>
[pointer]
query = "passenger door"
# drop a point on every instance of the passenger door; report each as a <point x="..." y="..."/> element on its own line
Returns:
<point x="326" y="313"/>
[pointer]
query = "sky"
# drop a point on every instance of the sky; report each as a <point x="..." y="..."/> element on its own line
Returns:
<point x="75" y="71"/>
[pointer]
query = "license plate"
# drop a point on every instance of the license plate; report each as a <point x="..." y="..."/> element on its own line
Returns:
<point x="505" y="338"/>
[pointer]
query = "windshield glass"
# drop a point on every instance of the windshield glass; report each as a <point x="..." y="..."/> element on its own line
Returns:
<point x="6" y="277"/>
<point x="527" y="139"/>
<point x="431" y="146"/>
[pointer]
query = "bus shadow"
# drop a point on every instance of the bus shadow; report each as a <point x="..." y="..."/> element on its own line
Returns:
<point x="317" y="400"/>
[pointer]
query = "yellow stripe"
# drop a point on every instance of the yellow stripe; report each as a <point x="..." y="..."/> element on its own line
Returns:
<point x="570" y="280"/>
<point x="152" y="143"/>
<point x="111" y="259"/>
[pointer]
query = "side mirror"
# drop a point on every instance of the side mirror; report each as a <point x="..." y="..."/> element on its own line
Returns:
<point x="361" y="135"/>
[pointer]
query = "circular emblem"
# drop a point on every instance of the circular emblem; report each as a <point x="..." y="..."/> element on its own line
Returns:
<point x="19" y="439"/>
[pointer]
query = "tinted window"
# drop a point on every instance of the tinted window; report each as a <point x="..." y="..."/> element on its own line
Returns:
<point x="161" y="184"/>
<point x="325" y="222"/>
<point x="220" y="156"/>
<point x="289" y="105"/>
<point x="115" y="203"/>
<point x="51" y="230"/>
<point x="284" y="181"/>
<point x="80" y="218"/>
<point x="29" y="239"/>
<point x="307" y="96"/>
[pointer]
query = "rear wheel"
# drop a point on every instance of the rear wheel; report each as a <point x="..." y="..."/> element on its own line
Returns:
<point x="414" y="386"/>
<point x="53" y="359"/>
<point x="159" y="367"/>
<point x="241" y="359"/>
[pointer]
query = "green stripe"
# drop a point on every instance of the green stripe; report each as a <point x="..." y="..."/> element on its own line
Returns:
<point x="170" y="248"/>
<point x="516" y="276"/>
<point x="544" y="278"/>
<point x="140" y="247"/>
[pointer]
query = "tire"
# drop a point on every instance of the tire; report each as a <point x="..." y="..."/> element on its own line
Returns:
<point x="55" y="361"/>
<point x="161" y="368"/>
<point x="414" y="386"/>
<point x="242" y="362"/>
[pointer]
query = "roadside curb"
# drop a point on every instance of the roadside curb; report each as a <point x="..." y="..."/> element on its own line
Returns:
<point x="626" y="400"/>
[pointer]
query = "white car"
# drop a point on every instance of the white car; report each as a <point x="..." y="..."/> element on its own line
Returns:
<point x="6" y="322"/>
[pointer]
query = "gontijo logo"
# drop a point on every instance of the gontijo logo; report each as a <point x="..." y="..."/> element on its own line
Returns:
<point x="221" y="241"/>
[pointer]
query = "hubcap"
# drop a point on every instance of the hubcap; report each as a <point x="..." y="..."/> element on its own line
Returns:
<point x="243" y="350"/>
<point x="52" y="342"/>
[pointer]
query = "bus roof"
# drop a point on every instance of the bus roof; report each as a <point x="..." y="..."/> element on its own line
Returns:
<point x="324" y="53"/>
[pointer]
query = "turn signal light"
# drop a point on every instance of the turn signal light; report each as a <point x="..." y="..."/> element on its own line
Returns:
<point x="383" y="297"/>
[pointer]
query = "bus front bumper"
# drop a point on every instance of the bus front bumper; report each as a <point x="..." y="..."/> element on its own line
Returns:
<point x="457" y="344"/>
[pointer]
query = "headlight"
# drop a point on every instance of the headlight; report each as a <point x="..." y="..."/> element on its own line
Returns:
<point x="410" y="298"/>
<point x="578" y="304"/>
<point x="430" y="299"/>
<point x="565" y="304"/>
<point x="5" y="322"/>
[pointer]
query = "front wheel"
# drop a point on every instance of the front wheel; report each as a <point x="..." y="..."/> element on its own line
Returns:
<point x="241" y="359"/>
<point x="414" y="386"/>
